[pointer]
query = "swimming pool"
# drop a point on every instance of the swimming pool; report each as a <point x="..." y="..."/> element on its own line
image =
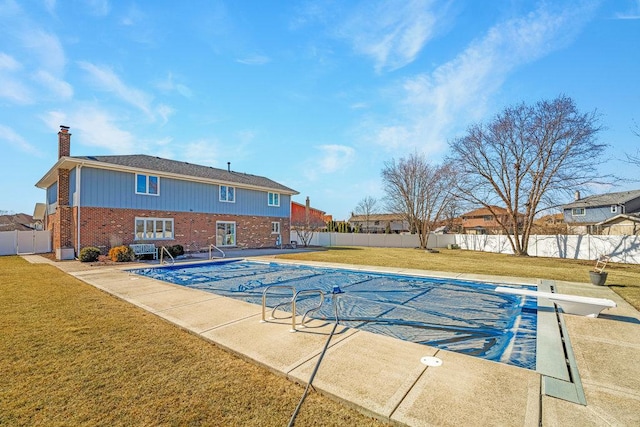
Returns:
<point x="462" y="316"/>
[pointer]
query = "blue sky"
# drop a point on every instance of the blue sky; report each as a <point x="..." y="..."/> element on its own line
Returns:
<point x="316" y="95"/>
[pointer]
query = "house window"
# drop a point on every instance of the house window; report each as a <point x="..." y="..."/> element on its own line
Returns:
<point x="614" y="208"/>
<point x="225" y="233"/>
<point x="577" y="212"/>
<point x="488" y="218"/>
<point x="274" y="199"/>
<point x="275" y="227"/>
<point x="147" y="184"/>
<point x="154" y="229"/>
<point x="227" y="194"/>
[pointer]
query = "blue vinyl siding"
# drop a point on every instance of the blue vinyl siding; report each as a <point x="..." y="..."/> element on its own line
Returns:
<point x="632" y="206"/>
<point x="52" y="194"/>
<point x="111" y="189"/>
<point x="591" y="215"/>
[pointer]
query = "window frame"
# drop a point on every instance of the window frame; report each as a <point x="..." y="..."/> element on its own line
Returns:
<point x="575" y="211"/>
<point x="226" y="192"/>
<point x="271" y="199"/>
<point x="223" y="242"/>
<point x="275" y="227"/>
<point x="152" y="223"/>
<point x="148" y="184"/>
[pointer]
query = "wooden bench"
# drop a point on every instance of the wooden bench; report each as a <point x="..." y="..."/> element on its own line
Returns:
<point x="144" y="249"/>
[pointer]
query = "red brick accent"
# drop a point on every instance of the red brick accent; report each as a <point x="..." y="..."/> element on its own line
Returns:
<point x="105" y="228"/>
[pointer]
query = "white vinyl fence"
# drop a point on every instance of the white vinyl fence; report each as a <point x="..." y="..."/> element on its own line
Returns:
<point x="24" y="242"/>
<point x="376" y="240"/>
<point x="624" y="249"/>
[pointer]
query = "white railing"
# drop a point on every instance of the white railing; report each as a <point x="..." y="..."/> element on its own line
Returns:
<point x="211" y="247"/>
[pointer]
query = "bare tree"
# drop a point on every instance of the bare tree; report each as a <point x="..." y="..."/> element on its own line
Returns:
<point x="634" y="159"/>
<point x="418" y="190"/>
<point x="526" y="159"/>
<point x="366" y="207"/>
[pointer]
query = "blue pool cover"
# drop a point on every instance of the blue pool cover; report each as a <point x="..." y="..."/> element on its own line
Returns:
<point x="461" y="316"/>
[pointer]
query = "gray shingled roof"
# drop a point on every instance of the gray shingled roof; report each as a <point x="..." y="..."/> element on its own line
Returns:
<point x="604" y="199"/>
<point x="158" y="164"/>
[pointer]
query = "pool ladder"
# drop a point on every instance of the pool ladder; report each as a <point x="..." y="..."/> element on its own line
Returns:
<point x="294" y="298"/>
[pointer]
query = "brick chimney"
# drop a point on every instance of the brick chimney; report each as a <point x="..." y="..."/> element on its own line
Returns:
<point x="64" y="142"/>
<point x="63" y="227"/>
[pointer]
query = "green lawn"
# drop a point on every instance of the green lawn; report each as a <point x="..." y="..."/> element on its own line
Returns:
<point x="624" y="279"/>
<point x="72" y="355"/>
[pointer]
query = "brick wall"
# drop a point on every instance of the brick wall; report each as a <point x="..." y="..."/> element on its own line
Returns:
<point x="106" y="228"/>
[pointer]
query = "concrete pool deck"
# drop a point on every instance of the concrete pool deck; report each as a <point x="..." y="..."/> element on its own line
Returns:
<point x="385" y="378"/>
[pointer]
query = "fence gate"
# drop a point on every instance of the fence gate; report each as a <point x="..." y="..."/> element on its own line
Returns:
<point x="25" y="242"/>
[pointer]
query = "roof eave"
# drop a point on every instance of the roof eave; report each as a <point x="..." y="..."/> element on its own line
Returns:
<point x="70" y="162"/>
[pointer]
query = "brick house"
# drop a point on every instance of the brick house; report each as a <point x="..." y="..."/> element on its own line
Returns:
<point x="300" y="213"/>
<point x="108" y="201"/>
<point x="485" y="220"/>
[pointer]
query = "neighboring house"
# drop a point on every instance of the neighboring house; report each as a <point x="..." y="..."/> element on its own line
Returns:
<point x="379" y="223"/>
<point x="550" y="224"/>
<point x="317" y="218"/>
<point x="484" y="221"/>
<point x="17" y="222"/>
<point x="107" y="201"/>
<point x="621" y="225"/>
<point x="584" y="214"/>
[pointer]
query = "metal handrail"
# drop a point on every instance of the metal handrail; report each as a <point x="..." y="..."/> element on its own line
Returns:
<point x="293" y="306"/>
<point x="264" y="299"/>
<point x="212" y="246"/>
<point x="162" y="251"/>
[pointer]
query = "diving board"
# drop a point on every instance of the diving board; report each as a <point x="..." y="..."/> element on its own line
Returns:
<point x="571" y="304"/>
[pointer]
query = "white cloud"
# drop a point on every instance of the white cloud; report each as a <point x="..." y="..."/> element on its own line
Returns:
<point x="133" y="17"/>
<point x="203" y="152"/>
<point x="93" y="127"/>
<point x="392" y="33"/>
<point x="331" y="159"/>
<point x="170" y="85"/>
<point x="46" y="47"/>
<point x="107" y="80"/>
<point x="457" y="92"/>
<point x="14" y="140"/>
<point x="14" y="90"/>
<point x="50" y="5"/>
<point x="633" y="12"/>
<point x="99" y="7"/>
<point x="359" y="106"/>
<point x="59" y="88"/>
<point x="164" y="111"/>
<point x="9" y="63"/>
<point x="254" y="60"/>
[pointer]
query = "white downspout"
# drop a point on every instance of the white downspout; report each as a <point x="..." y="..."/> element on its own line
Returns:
<point x="78" y="180"/>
